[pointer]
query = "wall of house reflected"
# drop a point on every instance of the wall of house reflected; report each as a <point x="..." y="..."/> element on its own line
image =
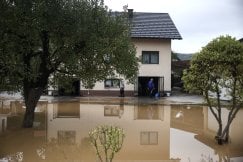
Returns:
<point x="235" y="146"/>
<point x="17" y="143"/>
<point x="9" y="109"/>
<point x="200" y="121"/>
<point x="188" y="118"/>
<point x="146" y="128"/>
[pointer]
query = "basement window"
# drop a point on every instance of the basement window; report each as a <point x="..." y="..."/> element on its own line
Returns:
<point x="112" y="83"/>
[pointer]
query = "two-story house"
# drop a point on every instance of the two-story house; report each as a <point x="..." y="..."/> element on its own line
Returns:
<point x="151" y="34"/>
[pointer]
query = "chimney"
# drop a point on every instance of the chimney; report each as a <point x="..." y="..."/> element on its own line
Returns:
<point x="130" y="13"/>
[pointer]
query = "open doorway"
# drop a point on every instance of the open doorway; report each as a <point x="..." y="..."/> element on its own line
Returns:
<point x="143" y="88"/>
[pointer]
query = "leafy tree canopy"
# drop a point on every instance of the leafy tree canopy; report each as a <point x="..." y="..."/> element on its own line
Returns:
<point x="73" y="38"/>
<point x="39" y="37"/>
<point x="219" y="65"/>
<point x="216" y="64"/>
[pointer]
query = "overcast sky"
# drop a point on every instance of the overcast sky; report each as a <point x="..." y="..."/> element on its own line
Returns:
<point x="198" y="21"/>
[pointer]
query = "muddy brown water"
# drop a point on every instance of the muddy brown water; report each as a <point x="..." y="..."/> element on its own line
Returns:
<point x="153" y="133"/>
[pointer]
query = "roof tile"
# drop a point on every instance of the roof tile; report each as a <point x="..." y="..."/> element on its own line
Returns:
<point x="153" y="25"/>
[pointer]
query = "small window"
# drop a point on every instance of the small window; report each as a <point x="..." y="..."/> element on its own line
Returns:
<point x="150" y="57"/>
<point x="149" y="138"/>
<point x="112" y="83"/>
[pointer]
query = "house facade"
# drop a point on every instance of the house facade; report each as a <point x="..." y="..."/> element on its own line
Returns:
<point x="151" y="34"/>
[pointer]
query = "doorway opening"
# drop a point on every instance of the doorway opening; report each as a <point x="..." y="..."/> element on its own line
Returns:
<point x="143" y="85"/>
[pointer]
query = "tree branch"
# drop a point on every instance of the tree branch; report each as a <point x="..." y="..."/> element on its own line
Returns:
<point x="230" y="121"/>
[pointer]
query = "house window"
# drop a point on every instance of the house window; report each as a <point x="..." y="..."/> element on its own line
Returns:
<point x="149" y="138"/>
<point x="112" y="83"/>
<point x="150" y="57"/>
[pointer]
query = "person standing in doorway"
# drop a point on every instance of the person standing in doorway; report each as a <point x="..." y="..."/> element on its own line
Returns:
<point x="151" y="87"/>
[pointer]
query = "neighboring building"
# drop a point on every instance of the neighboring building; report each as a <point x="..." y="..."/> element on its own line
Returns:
<point x="241" y="40"/>
<point x="151" y="34"/>
<point x="180" y="62"/>
<point x="184" y="56"/>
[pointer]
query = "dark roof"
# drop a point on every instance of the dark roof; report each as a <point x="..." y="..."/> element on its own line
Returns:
<point x="153" y="25"/>
<point x="184" y="57"/>
<point x="241" y="40"/>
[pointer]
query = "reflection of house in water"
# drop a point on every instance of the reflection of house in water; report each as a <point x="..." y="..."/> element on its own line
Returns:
<point x="201" y="122"/>
<point x="146" y="128"/>
<point x="235" y="146"/>
<point x="17" y="144"/>
<point x="3" y="122"/>
<point x="7" y="109"/>
<point x="153" y="112"/>
<point x="187" y="118"/>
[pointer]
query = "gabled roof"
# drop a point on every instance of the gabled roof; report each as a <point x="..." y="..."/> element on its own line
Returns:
<point x="153" y="25"/>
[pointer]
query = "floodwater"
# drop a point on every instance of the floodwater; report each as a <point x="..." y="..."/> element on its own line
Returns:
<point x="153" y="133"/>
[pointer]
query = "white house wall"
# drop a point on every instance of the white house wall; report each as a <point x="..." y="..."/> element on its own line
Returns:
<point x="163" y="69"/>
<point x="101" y="86"/>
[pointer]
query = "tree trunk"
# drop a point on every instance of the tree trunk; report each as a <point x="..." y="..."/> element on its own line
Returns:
<point x="219" y="134"/>
<point x="232" y="114"/>
<point x="32" y="96"/>
<point x="33" y="87"/>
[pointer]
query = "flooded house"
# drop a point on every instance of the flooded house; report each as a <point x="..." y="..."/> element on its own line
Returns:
<point x="152" y="34"/>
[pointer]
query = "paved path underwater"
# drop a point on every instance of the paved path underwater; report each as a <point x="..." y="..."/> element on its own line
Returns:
<point x="173" y="99"/>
